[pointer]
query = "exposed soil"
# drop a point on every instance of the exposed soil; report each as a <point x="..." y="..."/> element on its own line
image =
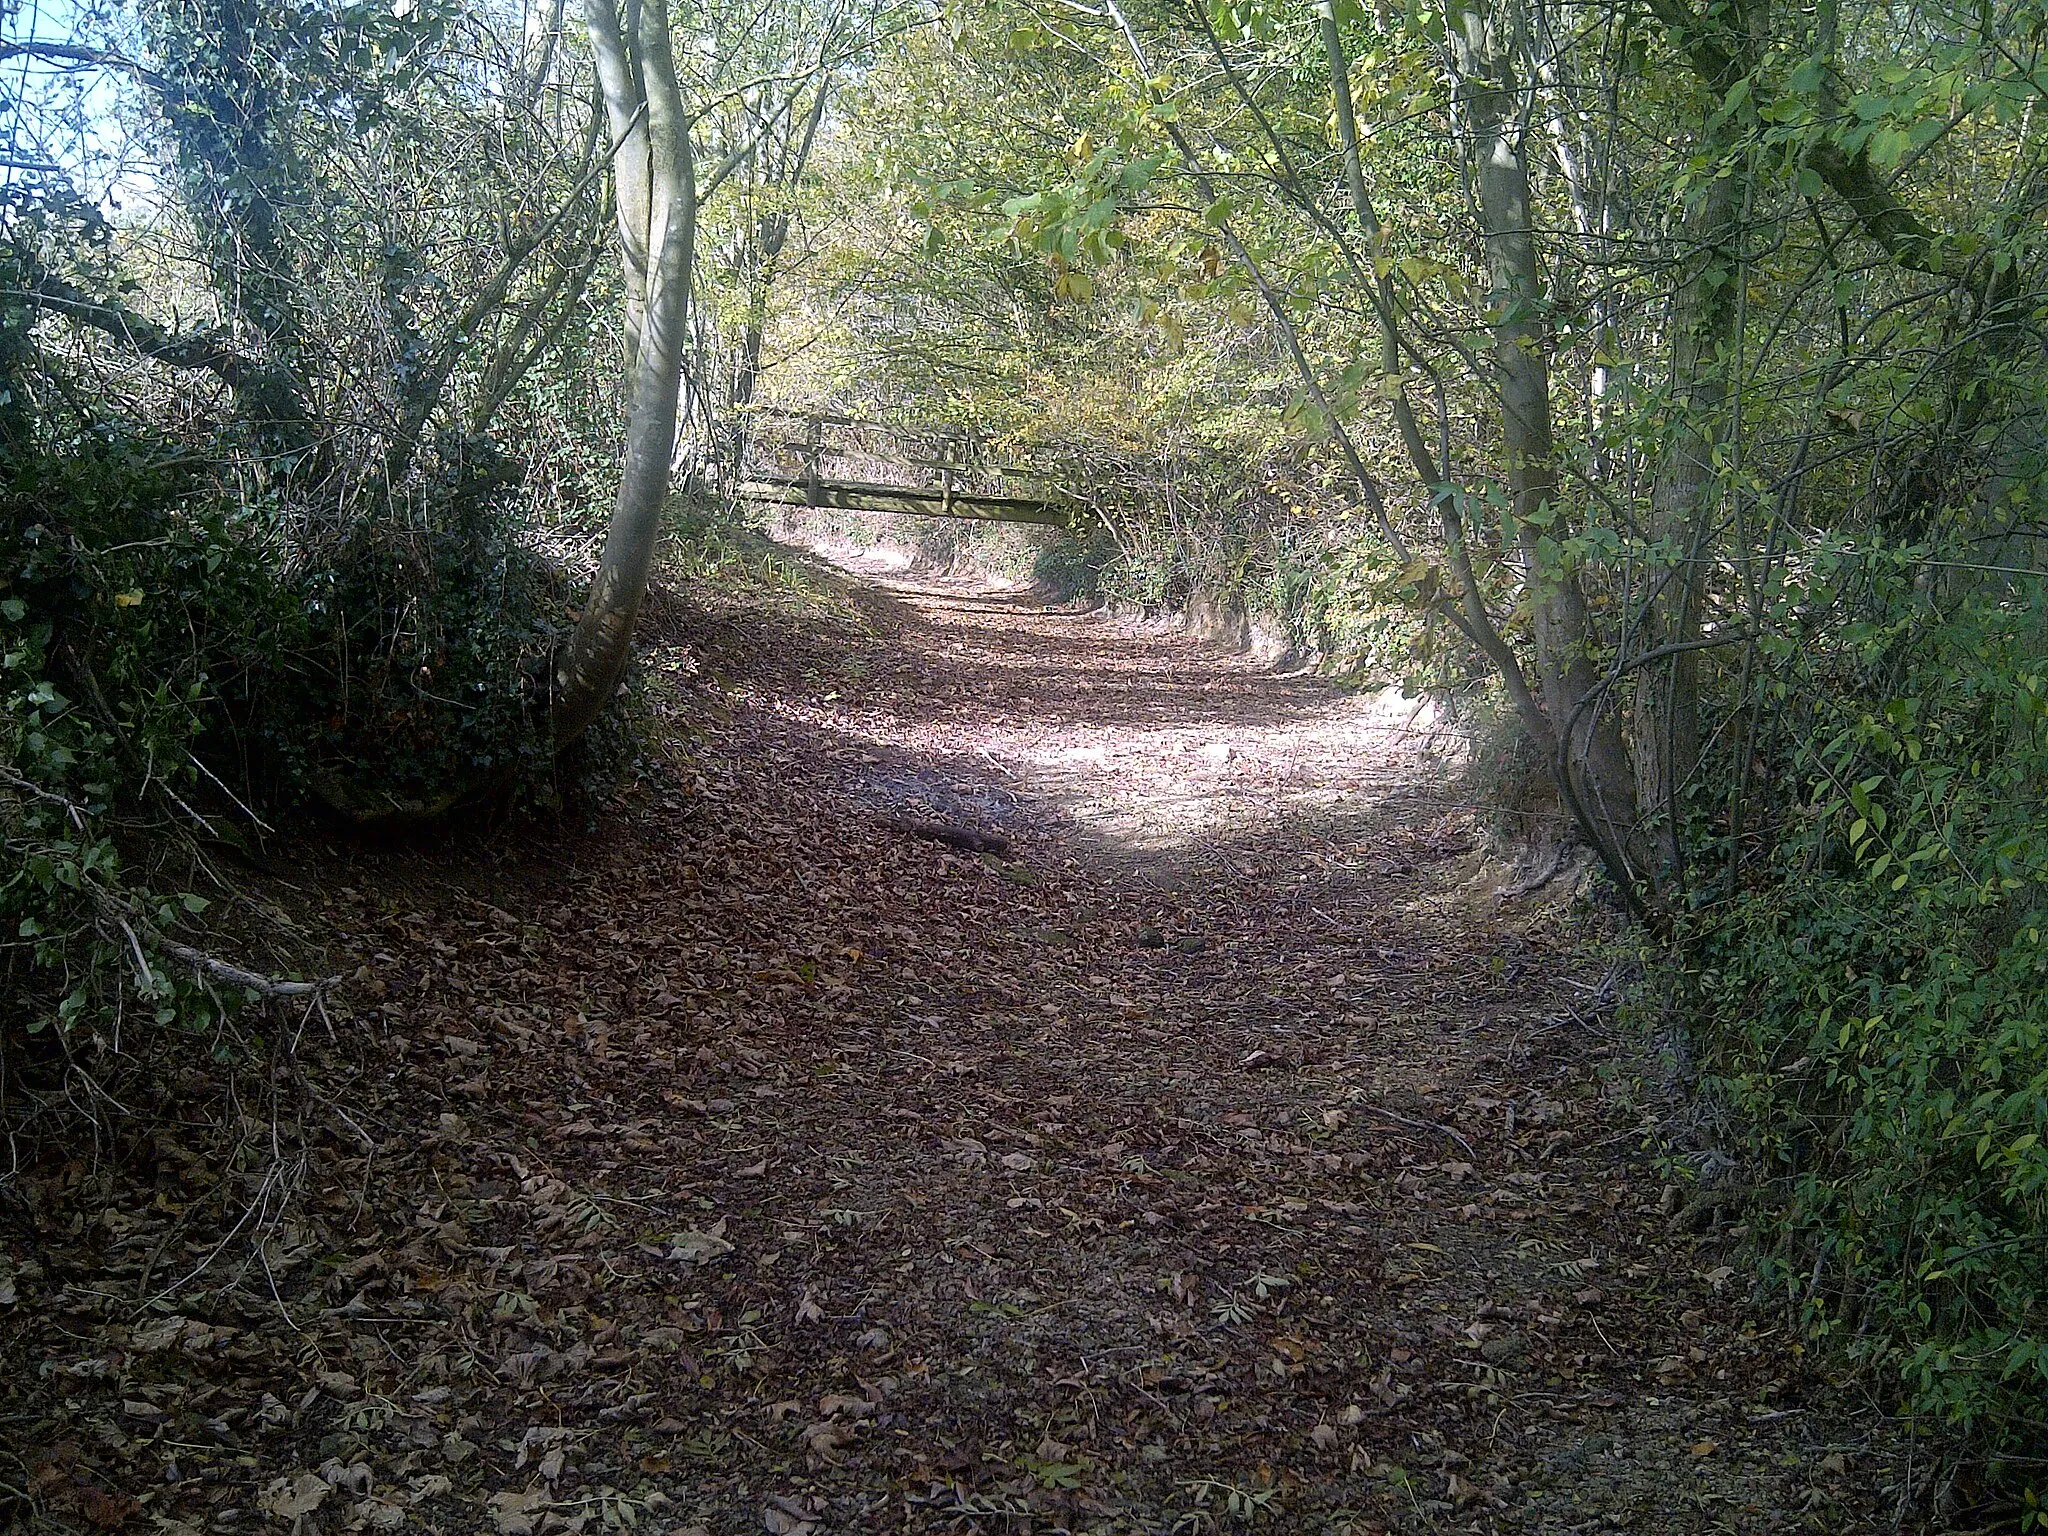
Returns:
<point x="1224" y="1160"/>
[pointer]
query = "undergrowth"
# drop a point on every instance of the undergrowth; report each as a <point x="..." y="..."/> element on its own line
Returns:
<point x="180" y="686"/>
<point x="1873" y="1006"/>
<point x="719" y="548"/>
<point x="133" y="608"/>
<point x="422" y="661"/>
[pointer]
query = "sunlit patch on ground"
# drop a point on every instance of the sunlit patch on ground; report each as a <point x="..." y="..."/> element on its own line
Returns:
<point x="753" y="1165"/>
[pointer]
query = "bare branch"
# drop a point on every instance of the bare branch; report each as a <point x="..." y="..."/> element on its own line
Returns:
<point x="85" y="58"/>
<point x="235" y="976"/>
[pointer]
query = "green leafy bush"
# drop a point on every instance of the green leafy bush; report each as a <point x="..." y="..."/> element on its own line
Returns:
<point x="131" y="608"/>
<point x="422" y="665"/>
<point x="162" y="667"/>
<point x="1875" y="1007"/>
<point x="1069" y="566"/>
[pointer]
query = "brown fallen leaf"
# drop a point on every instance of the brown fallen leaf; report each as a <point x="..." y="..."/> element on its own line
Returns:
<point x="824" y="1441"/>
<point x="516" y="1514"/>
<point x="288" y="1498"/>
<point x="106" y="1511"/>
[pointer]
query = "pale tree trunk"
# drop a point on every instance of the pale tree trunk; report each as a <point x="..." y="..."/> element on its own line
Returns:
<point x="1600" y="210"/>
<point x="656" y="193"/>
<point x="1592" y="764"/>
<point x="623" y="86"/>
<point x="1469" y="613"/>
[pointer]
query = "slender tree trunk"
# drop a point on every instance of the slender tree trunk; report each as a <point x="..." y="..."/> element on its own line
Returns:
<point x="1386" y="305"/>
<point x="1702" y="322"/>
<point x="769" y="235"/>
<point x="1592" y="764"/>
<point x="770" y="232"/>
<point x="656" y="184"/>
<point x="622" y="87"/>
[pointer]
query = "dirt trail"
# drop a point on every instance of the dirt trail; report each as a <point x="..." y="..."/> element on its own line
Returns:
<point x="749" y="1166"/>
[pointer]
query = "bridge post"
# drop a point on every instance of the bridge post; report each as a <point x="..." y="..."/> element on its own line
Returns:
<point x="812" y="491"/>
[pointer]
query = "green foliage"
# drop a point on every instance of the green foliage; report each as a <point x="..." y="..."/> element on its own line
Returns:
<point x="1154" y="286"/>
<point x="713" y="543"/>
<point x="131" y="610"/>
<point x="1507" y="777"/>
<point x="1068" y="566"/>
<point x="151" y="651"/>
<point x="1873" y="1005"/>
<point x="1815" y="344"/>
<point x="421" y="669"/>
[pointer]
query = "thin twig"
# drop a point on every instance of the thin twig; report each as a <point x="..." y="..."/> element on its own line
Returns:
<point x="1420" y="1125"/>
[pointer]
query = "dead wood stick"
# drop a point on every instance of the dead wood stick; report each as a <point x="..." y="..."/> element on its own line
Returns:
<point x="1420" y="1125"/>
<point x="953" y="836"/>
<point x="235" y="976"/>
<point x="127" y="919"/>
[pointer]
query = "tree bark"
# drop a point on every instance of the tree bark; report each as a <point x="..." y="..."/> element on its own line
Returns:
<point x="767" y="235"/>
<point x="622" y="86"/>
<point x="220" y="98"/>
<point x="655" y="177"/>
<point x="1592" y="765"/>
<point x="1701" y="323"/>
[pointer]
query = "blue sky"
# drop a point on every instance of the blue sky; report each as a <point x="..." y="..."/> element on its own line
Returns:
<point x="66" y="116"/>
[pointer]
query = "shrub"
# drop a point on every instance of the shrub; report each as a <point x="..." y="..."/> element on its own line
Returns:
<point x="421" y="668"/>
<point x="1069" y="566"/>
<point x="133" y="606"/>
<point x="1874" y="1006"/>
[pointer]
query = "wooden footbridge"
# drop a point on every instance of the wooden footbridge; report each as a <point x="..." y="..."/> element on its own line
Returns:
<point x="819" y="460"/>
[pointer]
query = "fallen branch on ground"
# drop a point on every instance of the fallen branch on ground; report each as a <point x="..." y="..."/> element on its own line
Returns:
<point x="236" y="976"/>
<point x="1420" y="1125"/>
<point x="951" y="835"/>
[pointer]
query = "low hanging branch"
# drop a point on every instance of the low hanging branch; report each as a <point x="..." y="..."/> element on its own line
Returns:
<point x="133" y="925"/>
<point x="263" y="388"/>
<point x="232" y="975"/>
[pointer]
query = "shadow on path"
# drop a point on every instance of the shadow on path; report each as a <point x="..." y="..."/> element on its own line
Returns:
<point x="1220" y="1163"/>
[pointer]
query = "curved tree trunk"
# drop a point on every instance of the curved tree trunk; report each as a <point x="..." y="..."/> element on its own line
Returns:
<point x="657" y="201"/>
<point x="1592" y="766"/>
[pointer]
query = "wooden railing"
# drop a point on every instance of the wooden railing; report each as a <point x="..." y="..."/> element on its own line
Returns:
<point x="824" y="460"/>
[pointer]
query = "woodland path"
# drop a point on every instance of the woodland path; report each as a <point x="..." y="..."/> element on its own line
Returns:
<point x="1222" y="1162"/>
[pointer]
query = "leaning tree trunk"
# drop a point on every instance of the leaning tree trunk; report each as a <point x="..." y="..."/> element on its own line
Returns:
<point x="656" y="192"/>
<point x="1592" y="767"/>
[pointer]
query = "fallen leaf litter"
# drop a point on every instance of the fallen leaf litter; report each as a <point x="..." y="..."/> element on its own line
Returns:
<point x="1208" y="1161"/>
